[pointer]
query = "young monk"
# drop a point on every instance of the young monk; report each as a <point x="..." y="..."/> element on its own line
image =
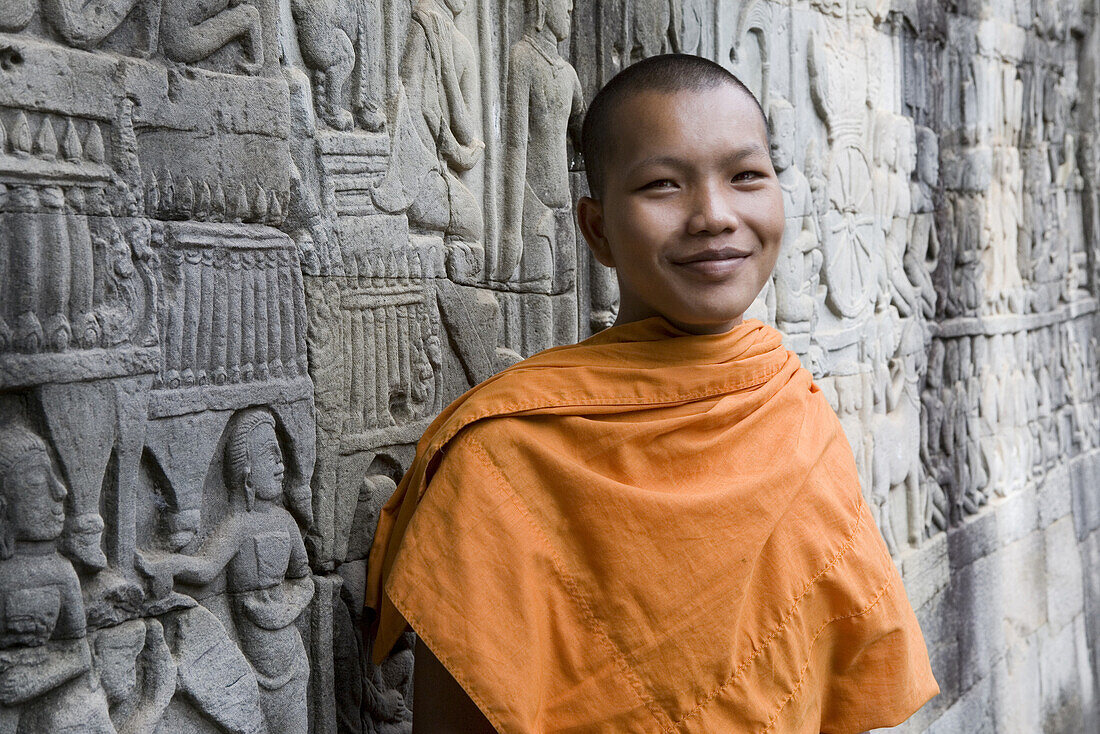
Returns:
<point x="661" y="528"/>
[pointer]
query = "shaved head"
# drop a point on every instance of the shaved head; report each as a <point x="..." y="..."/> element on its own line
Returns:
<point x="667" y="73"/>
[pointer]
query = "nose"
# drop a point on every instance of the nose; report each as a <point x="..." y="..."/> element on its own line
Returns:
<point x="57" y="489"/>
<point x="713" y="209"/>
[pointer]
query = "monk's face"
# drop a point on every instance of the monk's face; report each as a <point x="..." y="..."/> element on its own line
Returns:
<point x="691" y="216"/>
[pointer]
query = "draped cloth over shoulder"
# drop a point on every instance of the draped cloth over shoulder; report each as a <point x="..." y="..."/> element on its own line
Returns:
<point x="650" y="531"/>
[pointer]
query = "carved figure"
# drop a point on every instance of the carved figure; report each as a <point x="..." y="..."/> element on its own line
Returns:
<point x="654" y="27"/>
<point x="259" y="548"/>
<point x="545" y="105"/>
<point x="695" y="19"/>
<point x="1002" y="283"/>
<point x="922" y="252"/>
<point x="333" y="36"/>
<point x="192" y="30"/>
<point x="796" y="271"/>
<point x="937" y="472"/>
<point x="116" y="652"/>
<point x="967" y="274"/>
<point x="44" y="656"/>
<point x="893" y="165"/>
<point x="85" y="23"/>
<point x="895" y="425"/>
<point x="438" y="77"/>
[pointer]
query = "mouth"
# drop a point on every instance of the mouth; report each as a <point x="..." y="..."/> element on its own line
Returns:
<point x="715" y="262"/>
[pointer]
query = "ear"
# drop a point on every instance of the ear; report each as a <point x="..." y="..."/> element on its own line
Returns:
<point x="590" y="219"/>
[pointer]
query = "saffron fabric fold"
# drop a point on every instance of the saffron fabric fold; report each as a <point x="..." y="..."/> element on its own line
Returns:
<point x="650" y="531"/>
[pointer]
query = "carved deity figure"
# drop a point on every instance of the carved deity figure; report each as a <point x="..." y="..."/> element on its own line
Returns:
<point x="193" y="30"/>
<point x="796" y="272"/>
<point x="45" y="685"/>
<point x="544" y="106"/>
<point x="258" y="546"/>
<point x="333" y="36"/>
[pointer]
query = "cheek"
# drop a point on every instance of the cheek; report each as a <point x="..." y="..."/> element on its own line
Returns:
<point x="769" y="220"/>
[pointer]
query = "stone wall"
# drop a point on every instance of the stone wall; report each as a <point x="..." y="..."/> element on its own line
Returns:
<point x="248" y="249"/>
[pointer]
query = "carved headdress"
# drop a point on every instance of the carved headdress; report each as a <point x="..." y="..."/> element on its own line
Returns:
<point x="17" y="445"/>
<point x="238" y="462"/>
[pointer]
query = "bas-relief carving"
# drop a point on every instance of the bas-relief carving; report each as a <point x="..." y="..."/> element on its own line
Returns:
<point x="340" y="42"/>
<point x="76" y="277"/>
<point x="239" y="237"/>
<point x="652" y="27"/>
<point x="796" y="271"/>
<point x="45" y="678"/>
<point x="538" y="249"/>
<point x="839" y="89"/>
<point x="439" y="79"/>
<point x="544" y="106"/>
<point x="256" y="550"/>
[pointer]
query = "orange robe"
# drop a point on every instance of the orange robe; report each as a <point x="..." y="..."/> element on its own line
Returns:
<point x="650" y="531"/>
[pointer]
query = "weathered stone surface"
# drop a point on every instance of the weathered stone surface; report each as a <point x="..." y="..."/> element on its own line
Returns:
<point x="249" y="250"/>
<point x="1064" y="574"/>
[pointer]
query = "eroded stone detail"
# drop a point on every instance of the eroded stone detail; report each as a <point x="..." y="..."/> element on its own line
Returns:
<point x="235" y="235"/>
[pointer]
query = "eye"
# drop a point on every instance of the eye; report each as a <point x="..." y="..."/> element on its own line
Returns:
<point x="747" y="176"/>
<point x="659" y="184"/>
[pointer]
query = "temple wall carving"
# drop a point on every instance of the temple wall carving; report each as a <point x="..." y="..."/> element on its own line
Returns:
<point x="249" y="249"/>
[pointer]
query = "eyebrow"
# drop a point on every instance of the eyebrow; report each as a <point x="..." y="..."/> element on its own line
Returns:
<point x="736" y="156"/>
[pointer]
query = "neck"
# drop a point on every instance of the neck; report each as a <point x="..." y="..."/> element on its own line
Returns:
<point x="543" y="39"/>
<point x="625" y="317"/>
<point x="35" y="547"/>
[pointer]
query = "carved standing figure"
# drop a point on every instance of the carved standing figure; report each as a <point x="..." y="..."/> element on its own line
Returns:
<point x="545" y="105"/>
<point x="259" y="548"/>
<point x="895" y="459"/>
<point x="922" y="252"/>
<point x="439" y="79"/>
<point x="45" y="685"/>
<point x="796" y="271"/>
<point x="894" y="164"/>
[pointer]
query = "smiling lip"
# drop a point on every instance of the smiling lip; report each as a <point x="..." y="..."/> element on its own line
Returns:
<point x="715" y="263"/>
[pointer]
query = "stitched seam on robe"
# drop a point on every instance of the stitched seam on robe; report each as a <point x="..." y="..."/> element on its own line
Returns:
<point x="444" y="658"/>
<point x="573" y="588"/>
<point x="770" y="638"/>
<point x="519" y="408"/>
<point x="815" y="598"/>
<point x="879" y="596"/>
